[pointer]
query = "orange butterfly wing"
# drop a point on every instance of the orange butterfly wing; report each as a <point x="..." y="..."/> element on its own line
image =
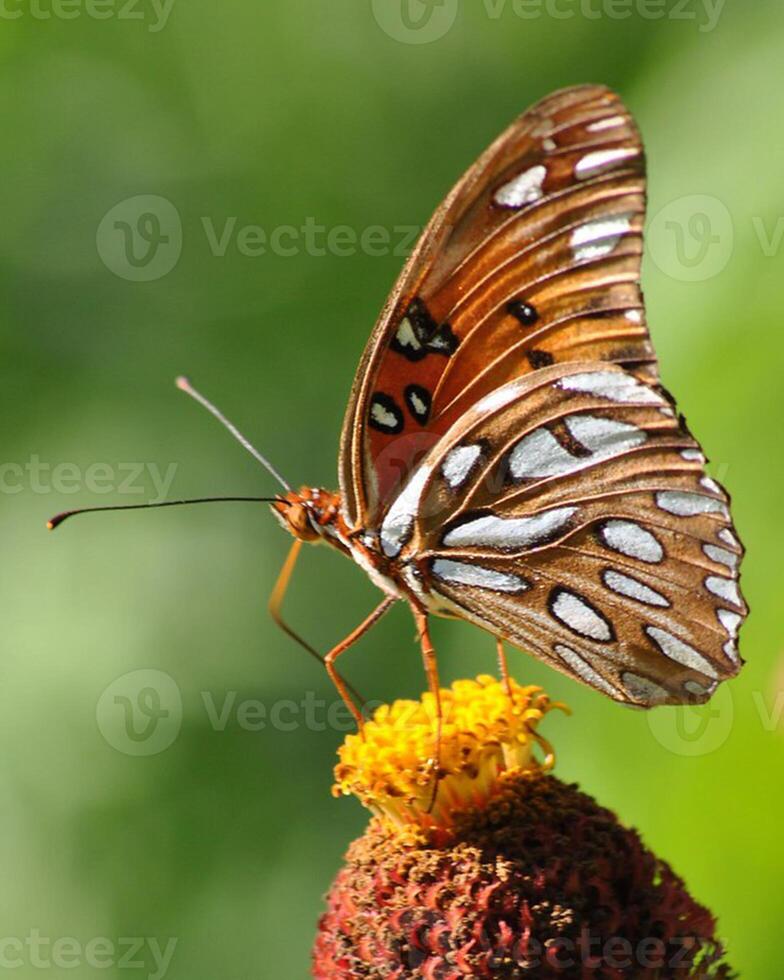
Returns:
<point x="532" y="259"/>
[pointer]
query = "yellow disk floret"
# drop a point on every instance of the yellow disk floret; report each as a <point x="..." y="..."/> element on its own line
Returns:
<point x="486" y="731"/>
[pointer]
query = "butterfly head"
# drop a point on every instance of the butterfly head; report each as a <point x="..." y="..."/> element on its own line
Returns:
<point x="306" y="512"/>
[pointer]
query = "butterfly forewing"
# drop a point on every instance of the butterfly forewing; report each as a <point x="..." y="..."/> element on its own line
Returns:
<point x="533" y="259"/>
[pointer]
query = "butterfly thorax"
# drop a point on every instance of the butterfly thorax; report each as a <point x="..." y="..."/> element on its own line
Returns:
<point x="315" y="515"/>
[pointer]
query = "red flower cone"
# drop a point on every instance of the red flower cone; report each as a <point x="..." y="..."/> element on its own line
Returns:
<point x="508" y="873"/>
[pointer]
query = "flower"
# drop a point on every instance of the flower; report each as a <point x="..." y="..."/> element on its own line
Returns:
<point x="390" y="766"/>
<point x="502" y="871"/>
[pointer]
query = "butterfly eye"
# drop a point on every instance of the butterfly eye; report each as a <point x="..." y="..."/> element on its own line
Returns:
<point x="298" y="520"/>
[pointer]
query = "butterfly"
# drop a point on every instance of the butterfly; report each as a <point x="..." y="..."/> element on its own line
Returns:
<point x="509" y="456"/>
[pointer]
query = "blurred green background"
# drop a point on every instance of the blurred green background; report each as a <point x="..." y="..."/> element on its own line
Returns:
<point x="276" y="114"/>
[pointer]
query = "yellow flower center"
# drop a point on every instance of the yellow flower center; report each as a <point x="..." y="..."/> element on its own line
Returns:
<point x="486" y="732"/>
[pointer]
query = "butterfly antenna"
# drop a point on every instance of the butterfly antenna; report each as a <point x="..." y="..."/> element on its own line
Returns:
<point x="184" y="385"/>
<point x="59" y="518"/>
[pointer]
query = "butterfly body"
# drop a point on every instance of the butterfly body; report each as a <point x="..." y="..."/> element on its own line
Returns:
<point x="509" y="456"/>
<point x="314" y="515"/>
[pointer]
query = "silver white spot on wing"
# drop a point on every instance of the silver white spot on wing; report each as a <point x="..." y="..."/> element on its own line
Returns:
<point x="686" y="503"/>
<point x="630" y="587"/>
<point x="631" y="540"/>
<point x="576" y="614"/>
<point x="730" y="621"/>
<point x="643" y="689"/>
<point x="399" y="522"/>
<point x="724" y="588"/>
<point x="605" y="437"/>
<point x="680" y="652"/>
<point x="692" y="456"/>
<point x="383" y="416"/>
<point x="497" y="399"/>
<point x="616" y="386"/>
<point x="598" y="161"/>
<point x="699" y="690"/>
<point x="599" y="237"/>
<point x="539" y="454"/>
<point x="406" y="336"/>
<point x="634" y="316"/>
<point x="710" y="484"/>
<point x="525" y="188"/>
<point x="508" y="532"/>
<point x="584" y="669"/>
<point x="728" y="537"/>
<point x="458" y="464"/>
<point x="721" y="555"/>
<point x="420" y="407"/>
<point x="465" y="573"/>
<point x="609" y="122"/>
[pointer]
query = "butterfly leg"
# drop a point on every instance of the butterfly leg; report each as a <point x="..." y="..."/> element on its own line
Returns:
<point x="431" y="670"/>
<point x="503" y="666"/>
<point x="350" y="640"/>
<point x="276" y="603"/>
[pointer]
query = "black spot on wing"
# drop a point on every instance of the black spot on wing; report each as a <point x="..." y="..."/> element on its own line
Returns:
<point x="522" y="311"/>
<point x="540" y="358"/>
<point x="419" y="334"/>
<point x="385" y="415"/>
<point x="443" y="341"/>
